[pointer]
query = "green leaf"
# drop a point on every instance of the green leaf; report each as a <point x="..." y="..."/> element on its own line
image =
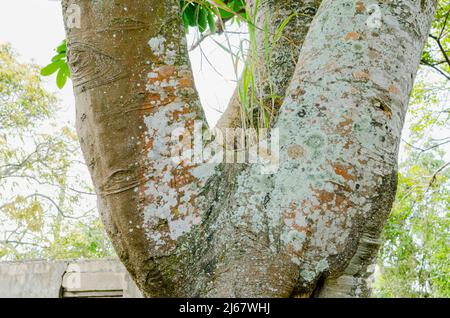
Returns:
<point x="66" y="70"/>
<point x="202" y="19"/>
<point x="190" y="13"/>
<point x="238" y="5"/>
<point x="185" y="21"/>
<point x="61" y="78"/>
<point x="51" y="68"/>
<point x="58" y="57"/>
<point x="225" y="14"/>
<point x="62" y="48"/>
<point x="211" y="22"/>
<point x="282" y="26"/>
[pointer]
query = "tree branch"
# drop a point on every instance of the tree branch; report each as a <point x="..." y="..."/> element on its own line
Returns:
<point x="436" y="69"/>
<point x="441" y="48"/>
<point x="435" y="174"/>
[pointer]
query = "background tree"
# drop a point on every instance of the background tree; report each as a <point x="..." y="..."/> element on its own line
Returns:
<point x="41" y="202"/>
<point x="415" y="259"/>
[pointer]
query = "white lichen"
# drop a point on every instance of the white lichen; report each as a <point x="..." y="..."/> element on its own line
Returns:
<point x="157" y="45"/>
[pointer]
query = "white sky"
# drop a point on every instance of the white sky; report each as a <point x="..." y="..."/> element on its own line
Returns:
<point x="35" y="28"/>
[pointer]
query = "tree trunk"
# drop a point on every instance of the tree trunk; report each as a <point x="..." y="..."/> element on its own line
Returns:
<point x="203" y="229"/>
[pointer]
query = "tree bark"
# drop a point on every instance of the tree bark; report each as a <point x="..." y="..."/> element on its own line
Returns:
<point x="203" y="229"/>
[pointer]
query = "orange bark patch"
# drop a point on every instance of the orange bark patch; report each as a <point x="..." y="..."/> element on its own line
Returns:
<point x="325" y="196"/>
<point x="186" y="82"/>
<point x="176" y="115"/>
<point x="352" y="36"/>
<point x="345" y="127"/>
<point x="162" y="84"/>
<point x="341" y="202"/>
<point x="348" y="144"/>
<point x="181" y="178"/>
<point x="166" y="71"/>
<point x="343" y="171"/>
<point x="393" y="89"/>
<point x="149" y="145"/>
<point x="295" y="152"/>
<point x="289" y="218"/>
<point x="360" y="8"/>
<point x="360" y="75"/>
<point x="326" y="200"/>
<point x="299" y="228"/>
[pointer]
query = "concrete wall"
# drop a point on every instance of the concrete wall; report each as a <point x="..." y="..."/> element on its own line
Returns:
<point x="55" y="279"/>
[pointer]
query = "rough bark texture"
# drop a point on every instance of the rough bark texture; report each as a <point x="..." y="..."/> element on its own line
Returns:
<point x="185" y="229"/>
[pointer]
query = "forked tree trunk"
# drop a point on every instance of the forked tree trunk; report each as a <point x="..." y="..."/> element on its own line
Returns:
<point x="190" y="229"/>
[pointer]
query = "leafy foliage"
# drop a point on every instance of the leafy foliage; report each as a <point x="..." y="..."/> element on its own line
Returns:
<point x="59" y="66"/>
<point x="41" y="203"/>
<point x="206" y="15"/>
<point x="415" y="258"/>
<point x="23" y="100"/>
<point x="437" y="51"/>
